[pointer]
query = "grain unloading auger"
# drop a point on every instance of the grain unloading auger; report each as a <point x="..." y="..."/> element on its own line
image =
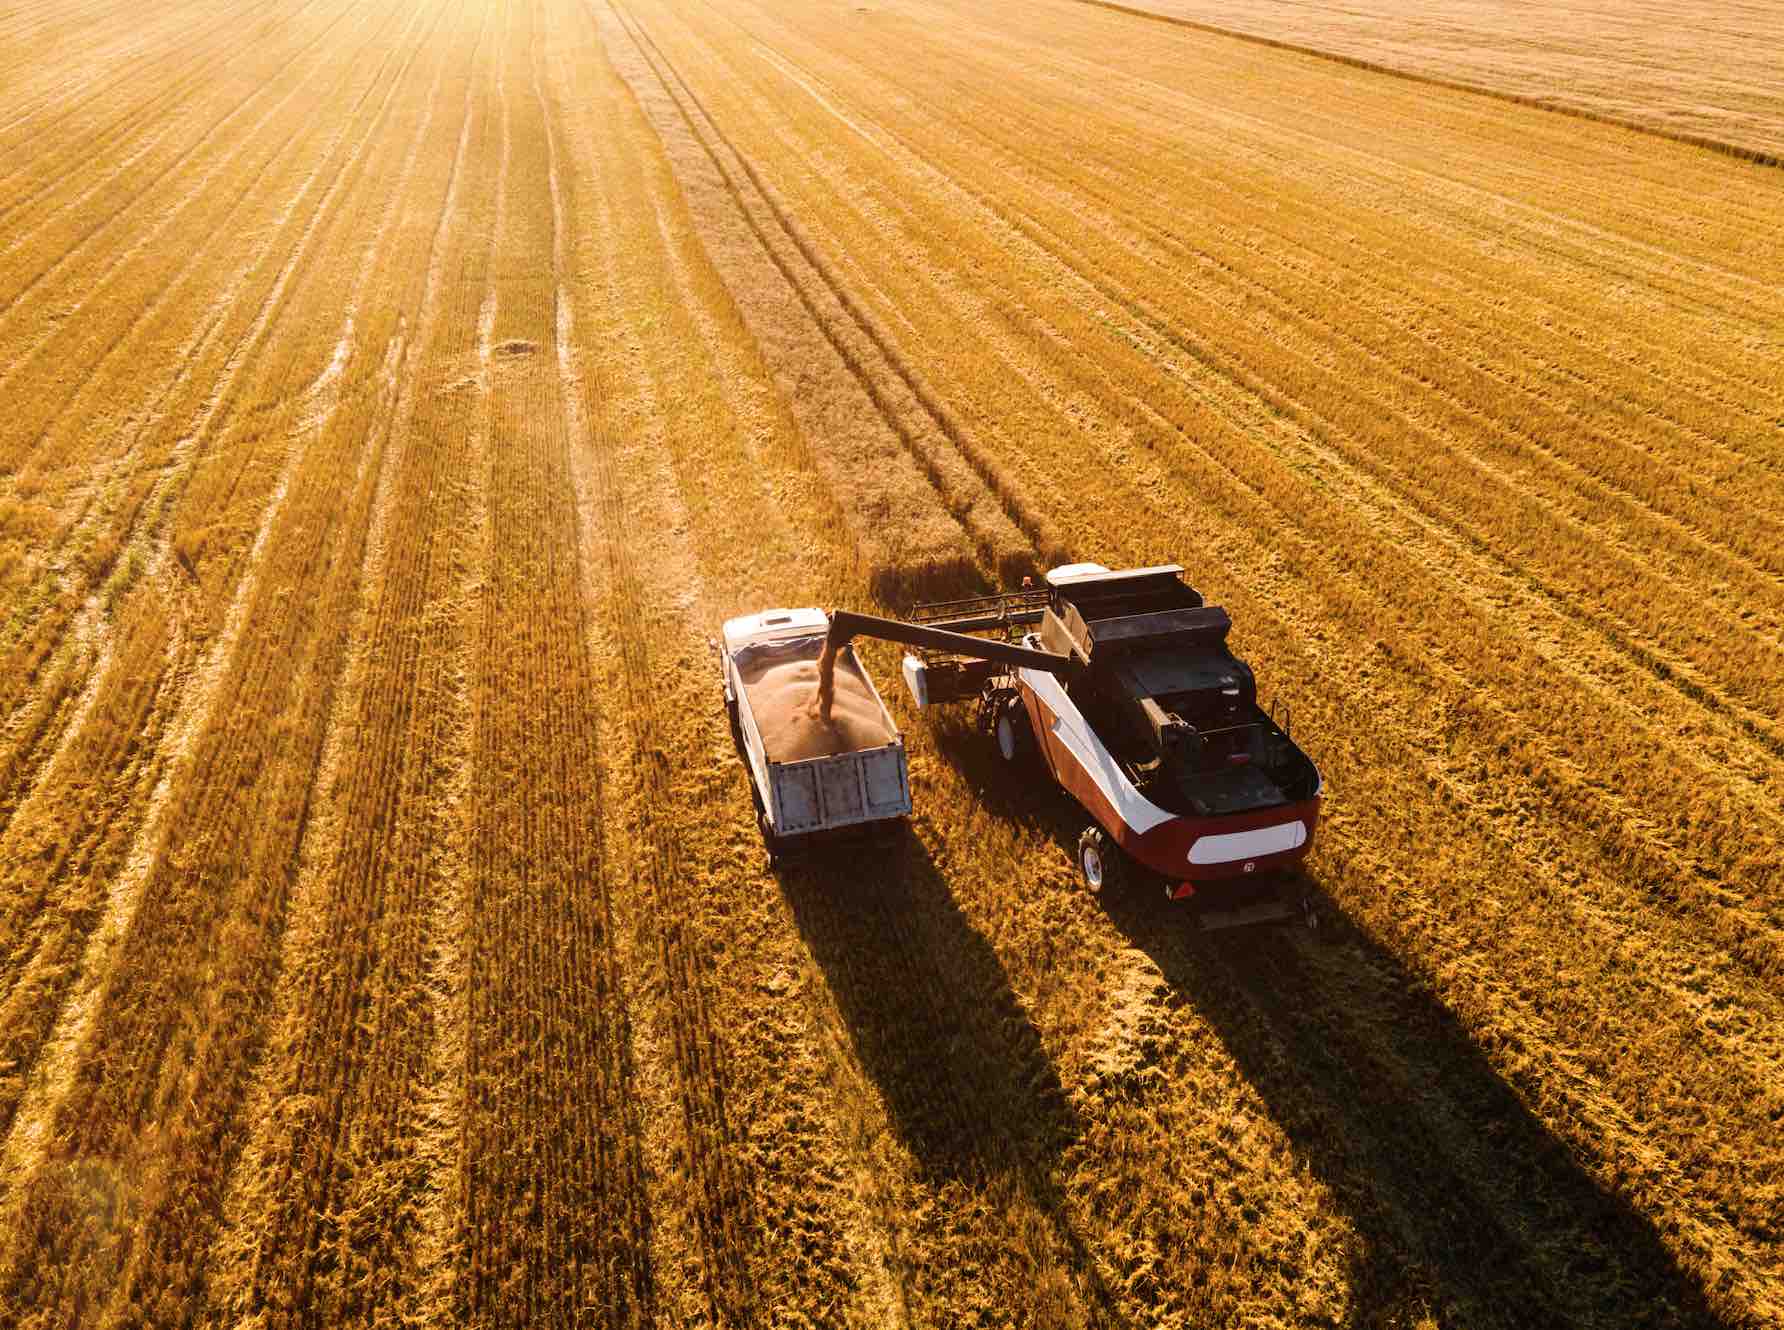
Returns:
<point x="1121" y="686"/>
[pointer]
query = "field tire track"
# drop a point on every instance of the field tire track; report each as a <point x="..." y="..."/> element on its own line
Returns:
<point x="1003" y="551"/>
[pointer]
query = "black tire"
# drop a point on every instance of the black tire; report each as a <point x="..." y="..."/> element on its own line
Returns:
<point x="1011" y="731"/>
<point x="771" y="843"/>
<point x="1101" y="863"/>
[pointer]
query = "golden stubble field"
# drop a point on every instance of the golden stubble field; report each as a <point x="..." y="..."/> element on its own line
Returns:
<point x="1705" y="69"/>
<point x="397" y="395"/>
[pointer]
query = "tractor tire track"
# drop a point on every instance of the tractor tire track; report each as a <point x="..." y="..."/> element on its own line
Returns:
<point x="1000" y="548"/>
<point x="945" y="421"/>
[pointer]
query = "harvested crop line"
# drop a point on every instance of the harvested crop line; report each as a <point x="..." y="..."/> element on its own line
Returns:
<point x="131" y="654"/>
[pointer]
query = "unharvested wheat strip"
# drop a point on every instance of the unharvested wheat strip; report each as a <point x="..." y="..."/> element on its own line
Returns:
<point x="873" y="474"/>
<point x="1554" y="152"/>
<point x="1757" y="582"/>
<point x="1370" y="246"/>
<point x="1531" y="424"/>
<point x="1761" y="756"/>
<point x="1757" y="804"/>
<point x="1723" y="695"/>
<point x="1625" y="60"/>
<point x="1468" y="222"/>
<point x="1615" y="702"/>
<point x="883" y="143"/>
<point x="289" y="776"/>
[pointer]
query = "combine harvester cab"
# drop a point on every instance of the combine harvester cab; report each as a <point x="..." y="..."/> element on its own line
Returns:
<point x="1154" y="728"/>
<point x="801" y="802"/>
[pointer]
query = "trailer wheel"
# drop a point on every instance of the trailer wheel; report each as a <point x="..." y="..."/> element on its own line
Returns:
<point x="1100" y="862"/>
<point x="771" y="843"/>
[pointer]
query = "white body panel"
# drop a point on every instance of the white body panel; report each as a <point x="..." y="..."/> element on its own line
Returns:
<point x="1235" y="845"/>
<point x="916" y="679"/>
<point x="1072" y="730"/>
<point x="1070" y="572"/>
<point x="819" y="793"/>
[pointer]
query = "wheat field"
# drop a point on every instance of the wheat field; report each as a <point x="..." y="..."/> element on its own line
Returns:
<point x="1711" y="70"/>
<point x="398" y="395"/>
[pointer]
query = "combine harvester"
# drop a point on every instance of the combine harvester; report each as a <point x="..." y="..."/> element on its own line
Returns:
<point x="1119" y="684"/>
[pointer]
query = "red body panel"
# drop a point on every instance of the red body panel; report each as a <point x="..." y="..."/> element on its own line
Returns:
<point x="1165" y="847"/>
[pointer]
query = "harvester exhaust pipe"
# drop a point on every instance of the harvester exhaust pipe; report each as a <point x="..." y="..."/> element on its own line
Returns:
<point x="846" y="625"/>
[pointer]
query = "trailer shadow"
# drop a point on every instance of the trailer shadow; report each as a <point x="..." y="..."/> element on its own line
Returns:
<point x="931" y="1016"/>
<point x="1034" y="801"/>
<point x="930" y="1012"/>
<point x="1467" y="1207"/>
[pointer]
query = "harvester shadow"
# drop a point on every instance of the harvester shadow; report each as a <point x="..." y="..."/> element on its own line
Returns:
<point x="1023" y="794"/>
<point x="1465" y="1204"/>
<point x="930" y="1013"/>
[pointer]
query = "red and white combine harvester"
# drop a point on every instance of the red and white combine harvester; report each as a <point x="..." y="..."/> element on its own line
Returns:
<point x="1121" y="685"/>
